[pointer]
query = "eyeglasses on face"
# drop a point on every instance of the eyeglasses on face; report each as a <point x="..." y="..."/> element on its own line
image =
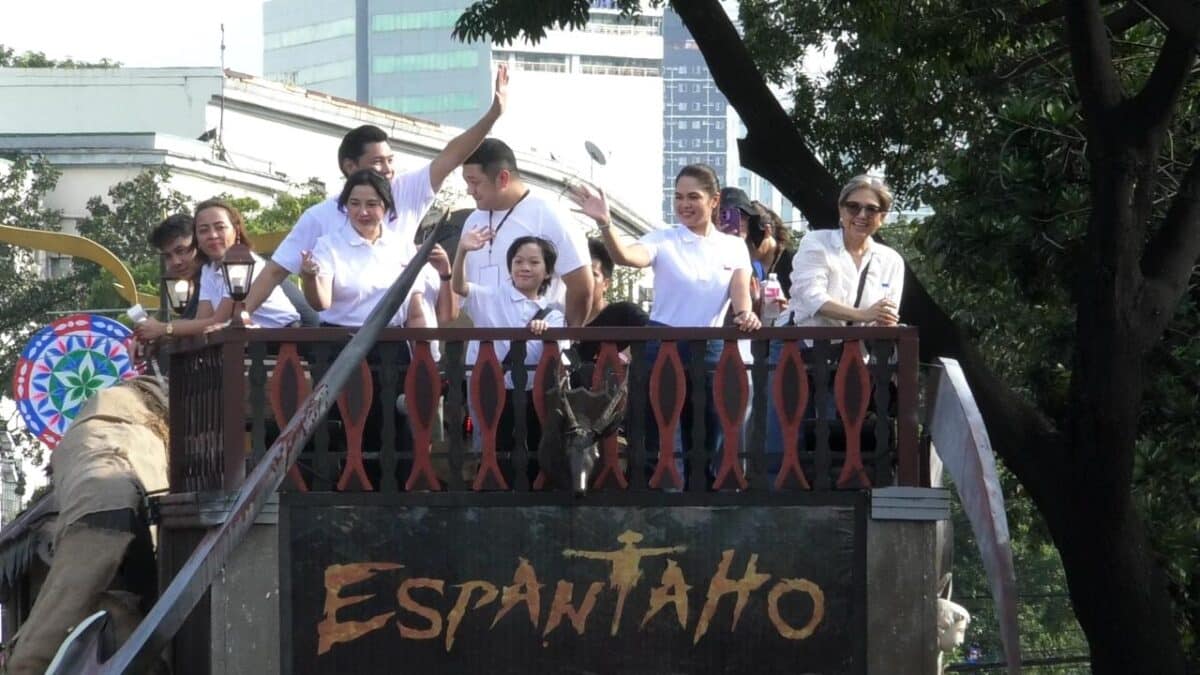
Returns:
<point x="854" y="208"/>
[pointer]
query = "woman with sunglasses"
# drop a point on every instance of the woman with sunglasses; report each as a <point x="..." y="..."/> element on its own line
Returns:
<point x="844" y="277"/>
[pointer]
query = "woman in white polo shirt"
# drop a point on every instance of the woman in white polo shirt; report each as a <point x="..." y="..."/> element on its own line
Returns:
<point x="520" y="300"/>
<point x="217" y="227"/>
<point x="350" y="269"/>
<point x="698" y="272"/>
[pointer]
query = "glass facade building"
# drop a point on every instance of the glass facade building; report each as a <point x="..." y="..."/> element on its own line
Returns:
<point x="695" y="112"/>
<point x="393" y="54"/>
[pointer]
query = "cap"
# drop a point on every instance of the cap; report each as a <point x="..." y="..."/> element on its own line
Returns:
<point x="737" y="198"/>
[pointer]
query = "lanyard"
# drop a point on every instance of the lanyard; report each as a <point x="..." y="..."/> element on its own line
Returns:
<point x="502" y="221"/>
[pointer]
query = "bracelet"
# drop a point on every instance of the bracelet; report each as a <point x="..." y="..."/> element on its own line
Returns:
<point x="445" y="277"/>
<point x="740" y="314"/>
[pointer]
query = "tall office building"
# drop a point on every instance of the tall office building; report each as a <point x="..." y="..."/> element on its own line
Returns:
<point x="600" y="84"/>
<point x="393" y="54"/>
<point x="695" y="113"/>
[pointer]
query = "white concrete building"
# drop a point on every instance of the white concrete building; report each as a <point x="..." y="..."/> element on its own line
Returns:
<point x="217" y="133"/>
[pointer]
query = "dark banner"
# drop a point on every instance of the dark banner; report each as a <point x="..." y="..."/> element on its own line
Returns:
<point x="551" y="590"/>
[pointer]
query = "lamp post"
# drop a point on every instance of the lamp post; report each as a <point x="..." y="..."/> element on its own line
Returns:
<point x="178" y="292"/>
<point x="238" y="265"/>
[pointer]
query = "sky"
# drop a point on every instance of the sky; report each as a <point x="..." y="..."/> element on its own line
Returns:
<point x="139" y="33"/>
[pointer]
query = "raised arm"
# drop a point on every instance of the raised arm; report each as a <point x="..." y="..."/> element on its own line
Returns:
<point x="318" y="290"/>
<point x="471" y="240"/>
<point x="460" y="147"/>
<point x="594" y="205"/>
<point x="447" y="304"/>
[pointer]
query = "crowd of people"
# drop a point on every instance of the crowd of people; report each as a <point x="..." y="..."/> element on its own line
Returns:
<point x="522" y="262"/>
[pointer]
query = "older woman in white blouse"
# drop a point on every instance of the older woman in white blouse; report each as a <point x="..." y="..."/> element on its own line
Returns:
<point x="844" y="277"/>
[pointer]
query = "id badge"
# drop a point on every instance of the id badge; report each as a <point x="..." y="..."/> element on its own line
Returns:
<point x="490" y="276"/>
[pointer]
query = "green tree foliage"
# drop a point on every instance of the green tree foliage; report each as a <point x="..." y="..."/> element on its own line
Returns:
<point x="992" y="138"/>
<point x="28" y="299"/>
<point x="283" y="214"/>
<point x="30" y="59"/>
<point x="122" y="224"/>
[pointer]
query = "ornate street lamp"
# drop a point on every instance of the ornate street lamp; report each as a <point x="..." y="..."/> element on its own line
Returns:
<point x="178" y="293"/>
<point x="239" y="270"/>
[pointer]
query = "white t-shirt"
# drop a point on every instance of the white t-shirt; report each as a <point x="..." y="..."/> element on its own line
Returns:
<point x="276" y="312"/>
<point x="362" y="273"/>
<point x="533" y="216"/>
<point x="411" y="191"/>
<point x="823" y="270"/>
<point x="506" y="307"/>
<point x="692" y="275"/>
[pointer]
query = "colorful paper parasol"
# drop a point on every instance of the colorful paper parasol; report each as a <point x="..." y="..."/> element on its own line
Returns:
<point x="63" y="365"/>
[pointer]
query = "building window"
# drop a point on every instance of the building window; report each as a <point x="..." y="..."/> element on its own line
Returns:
<point x="407" y="63"/>
<point x="309" y="34"/>
<point x="618" y="24"/>
<point x="419" y="105"/>
<point x="311" y="75"/>
<point x="616" y="65"/>
<point x="533" y="61"/>
<point x="434" y="19"/>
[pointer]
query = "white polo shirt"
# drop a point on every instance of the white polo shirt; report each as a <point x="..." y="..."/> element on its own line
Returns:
<point x="823" y="270"/>
<point x="692" y="275"/>
<point x="362" y="273"/>
<point x="506" y="307"/>
<point x="276" y="312"/>
<point x="533" y="216"/>
<point x="411" y="191"/>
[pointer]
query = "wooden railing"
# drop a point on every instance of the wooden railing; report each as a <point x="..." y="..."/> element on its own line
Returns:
<point x="829" y="408"/>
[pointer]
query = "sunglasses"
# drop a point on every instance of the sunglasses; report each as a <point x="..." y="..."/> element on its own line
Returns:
<point x="854" y="208"/>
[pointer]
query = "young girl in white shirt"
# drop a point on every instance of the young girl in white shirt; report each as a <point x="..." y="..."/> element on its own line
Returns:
<point x="517" y="301"/>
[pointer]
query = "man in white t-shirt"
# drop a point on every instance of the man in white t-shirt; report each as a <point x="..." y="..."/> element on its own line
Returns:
<point x="367" y="148"/>
<point x="505" y="206"/>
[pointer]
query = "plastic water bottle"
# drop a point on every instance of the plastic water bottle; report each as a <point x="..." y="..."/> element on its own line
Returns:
<point x="772" y="292"/>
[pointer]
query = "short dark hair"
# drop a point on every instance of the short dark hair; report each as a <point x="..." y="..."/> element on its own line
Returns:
<point x="235" y="219"/>
<point x="493" y="155"/>
<point x="375" y="181"/>
<point x="549" y="256"/>
<point x="598" y="252"/>
<point x="704" y="174"/>
<point x="355" y="143"/>
<point x="177" y="226"/>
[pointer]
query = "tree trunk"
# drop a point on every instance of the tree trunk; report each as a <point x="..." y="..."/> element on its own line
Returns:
<point x="1079" y="480"/>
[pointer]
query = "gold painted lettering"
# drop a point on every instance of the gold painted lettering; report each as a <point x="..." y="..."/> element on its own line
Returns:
<point x="561" y="606"/>
<point x="626" y="566"/>
<point x="526" y="589"/>
<point x="330" y="631"/>
<point x="722" y="585"/>
<point x="672" y="590"/>
<point x="454" y="618"/>
<point x="796" y="586"/>
<point x="404" y="596"/>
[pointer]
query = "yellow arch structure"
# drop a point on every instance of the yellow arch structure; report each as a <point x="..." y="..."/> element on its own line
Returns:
<point x="80" y="247"/>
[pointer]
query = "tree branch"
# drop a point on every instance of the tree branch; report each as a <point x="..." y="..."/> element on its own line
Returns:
<point x="1045" y="13"/>
<point x="1171" y="255"/>
<point x="1026" y="440"/>
<point x="1177" y="15"/>
<point x="1117" y="23"/>
<point x="767" y="148"/>
<point x="1152" y="106"/>
<point x="1091" y="61"/>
